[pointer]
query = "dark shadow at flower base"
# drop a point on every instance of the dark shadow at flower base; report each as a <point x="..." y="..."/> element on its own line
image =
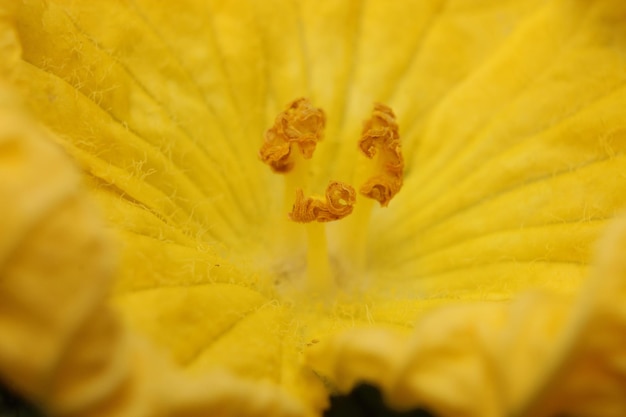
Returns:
<point x="13" y="406"/>
<point x="366" y="401"/>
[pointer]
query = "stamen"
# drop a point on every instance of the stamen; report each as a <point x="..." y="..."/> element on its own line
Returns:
<point x="382" y="180"/>
<point x="300" y="124"/>
<point x="381" y="136"/>
<point x="338" y="203"/>
<point x="300" y="127"/>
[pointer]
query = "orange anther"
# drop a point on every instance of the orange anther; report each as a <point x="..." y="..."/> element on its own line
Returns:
<point x="338" y="203"/>
<point x="381" y="137"/>
<point x="300" y="124"/>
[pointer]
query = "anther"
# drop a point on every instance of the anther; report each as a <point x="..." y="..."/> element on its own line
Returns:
<point x="300" y="124"/>
<point x="381" y="138"/>
<point x="338" y="203"/>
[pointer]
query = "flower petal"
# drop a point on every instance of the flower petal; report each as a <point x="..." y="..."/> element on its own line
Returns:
<point x="494" y="359"/>
<point x="518" y="189"/>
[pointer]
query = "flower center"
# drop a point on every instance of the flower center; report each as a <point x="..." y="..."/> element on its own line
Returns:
<point x="289" y="145"/>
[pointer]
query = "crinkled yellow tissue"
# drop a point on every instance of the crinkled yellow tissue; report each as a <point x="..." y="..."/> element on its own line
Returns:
<point x="152" y="264"/>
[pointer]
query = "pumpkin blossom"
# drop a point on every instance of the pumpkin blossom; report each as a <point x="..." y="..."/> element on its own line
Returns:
<point x="248" y="207"/>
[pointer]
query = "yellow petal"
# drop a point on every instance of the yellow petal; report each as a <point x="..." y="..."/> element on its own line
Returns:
<point x="62" y="347"/>
<point x="517" y="171"/>
<point x="538" y="356"/>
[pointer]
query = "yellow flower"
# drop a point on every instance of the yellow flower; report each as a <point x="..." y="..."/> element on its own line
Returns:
<point x="167" y="279"/>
